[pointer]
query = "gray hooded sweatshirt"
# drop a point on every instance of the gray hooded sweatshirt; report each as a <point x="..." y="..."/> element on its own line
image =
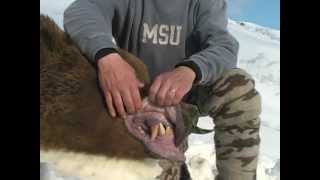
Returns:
<point x="163" y="33"/>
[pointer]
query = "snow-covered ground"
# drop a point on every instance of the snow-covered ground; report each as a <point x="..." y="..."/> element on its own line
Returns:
<point x="260" y="56"/>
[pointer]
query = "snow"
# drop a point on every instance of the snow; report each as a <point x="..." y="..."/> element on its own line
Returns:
<point x="260" y="55"/>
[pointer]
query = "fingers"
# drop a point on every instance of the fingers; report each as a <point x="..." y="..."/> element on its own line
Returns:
<point x="123" y="100"/>
<point x="127" y="100"/>
<point x="118" y="103"/>
<point x="131" y="97"/>
<point x="170" y="96"/>
<point x="109" y="102"/>
<point x="108" y="99"/>
<point x="165" y="90"/>
<point x="178" y="97"/>
<point x="155" y="88"/>
<point x="136" y="97"/>
<point x="162" y="93"/>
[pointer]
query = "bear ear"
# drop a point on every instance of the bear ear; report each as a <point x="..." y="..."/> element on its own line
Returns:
<point x="50" y="34"/>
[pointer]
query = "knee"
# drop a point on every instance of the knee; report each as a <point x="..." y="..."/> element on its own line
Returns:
<point x="244" y="87"/>
<point x="237" y="77"/>
<point x="239" y="97"/>
<point x="238" y="71"/>
<point x="234" y="84"/>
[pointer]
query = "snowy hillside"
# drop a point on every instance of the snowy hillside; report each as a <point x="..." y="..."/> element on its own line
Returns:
<point x="260" y="56"/>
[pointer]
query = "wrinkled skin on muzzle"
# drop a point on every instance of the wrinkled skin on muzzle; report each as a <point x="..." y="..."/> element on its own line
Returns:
<point x="157" y="128"/>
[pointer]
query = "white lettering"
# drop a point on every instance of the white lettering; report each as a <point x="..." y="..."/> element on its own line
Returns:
<point x="164" y="35"/>
<point x="172" y="33"/>
<point x="150" y="34"/>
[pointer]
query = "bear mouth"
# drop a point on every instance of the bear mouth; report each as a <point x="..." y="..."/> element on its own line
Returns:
<point x="154" y="127"/>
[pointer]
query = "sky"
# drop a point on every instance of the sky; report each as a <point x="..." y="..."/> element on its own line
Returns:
<point x="262" y="12"/>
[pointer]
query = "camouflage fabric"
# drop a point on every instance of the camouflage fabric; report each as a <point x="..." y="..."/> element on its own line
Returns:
<point x="235" y="106"/>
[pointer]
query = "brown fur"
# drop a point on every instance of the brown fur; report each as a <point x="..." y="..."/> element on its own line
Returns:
<point x="73" y="116"/>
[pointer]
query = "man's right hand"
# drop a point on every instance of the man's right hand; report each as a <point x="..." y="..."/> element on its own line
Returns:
<point x="119" y="84"/>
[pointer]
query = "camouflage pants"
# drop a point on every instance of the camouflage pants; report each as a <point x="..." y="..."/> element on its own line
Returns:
<point x="235" y="106"/>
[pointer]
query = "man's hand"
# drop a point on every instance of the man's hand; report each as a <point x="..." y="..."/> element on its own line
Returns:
<point x="169" y="88"/>
<point x="119" y="84"/>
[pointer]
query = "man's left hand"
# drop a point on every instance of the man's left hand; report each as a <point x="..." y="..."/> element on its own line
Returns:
<point x="169" y="88"/>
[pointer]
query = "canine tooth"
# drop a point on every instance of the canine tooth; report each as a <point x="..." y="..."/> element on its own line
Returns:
<point x="169" y="131"/>
<point x="154" y="132"/>
<point x="162" y="129"/>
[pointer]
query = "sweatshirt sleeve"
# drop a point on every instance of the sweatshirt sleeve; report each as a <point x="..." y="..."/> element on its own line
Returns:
<point x="218" y="48"/>
<point x="89" y="24"/>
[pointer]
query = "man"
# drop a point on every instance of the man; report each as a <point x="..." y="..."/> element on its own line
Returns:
<point x="191" y="57"/>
